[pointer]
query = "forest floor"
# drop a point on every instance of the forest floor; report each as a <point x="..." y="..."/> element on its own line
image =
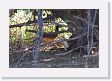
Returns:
<point x="50" y="60"/>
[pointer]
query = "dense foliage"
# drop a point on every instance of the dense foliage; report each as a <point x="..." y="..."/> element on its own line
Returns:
<point x="25" y="15"/>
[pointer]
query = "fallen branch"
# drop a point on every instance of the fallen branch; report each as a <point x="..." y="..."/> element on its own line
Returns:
<point x="23" y="24"/>
<point x="70" y="51"/>
<point x="35" y="21"/>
